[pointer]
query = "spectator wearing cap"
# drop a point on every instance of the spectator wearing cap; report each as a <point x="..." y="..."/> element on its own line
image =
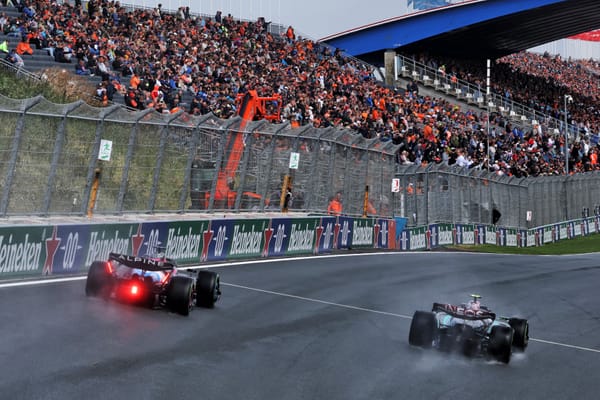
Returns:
<point x="81" y="68"/>
<point x="15" y="59"/>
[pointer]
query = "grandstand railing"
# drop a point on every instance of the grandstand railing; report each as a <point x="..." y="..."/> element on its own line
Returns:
<point x="518" y="113"/>
<point x="49" y="160"/>
<point x="20" y="72"/>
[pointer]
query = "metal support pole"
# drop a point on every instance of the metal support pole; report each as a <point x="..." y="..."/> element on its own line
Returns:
<point x="487" y="99"/>
<point x="569" y="99"/>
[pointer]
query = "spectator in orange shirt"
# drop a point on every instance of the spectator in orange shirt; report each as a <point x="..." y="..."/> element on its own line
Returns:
<point x="23" y="48"/>
<point x="335" y="205"/>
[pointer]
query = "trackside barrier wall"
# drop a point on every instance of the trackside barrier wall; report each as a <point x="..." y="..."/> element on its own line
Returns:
<point x="436" y="235"/>
<point x="34" y="251"/>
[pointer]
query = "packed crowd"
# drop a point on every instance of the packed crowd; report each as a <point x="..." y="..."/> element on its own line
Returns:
<point x="153" y="58"/>
<point x="541" y="82"/>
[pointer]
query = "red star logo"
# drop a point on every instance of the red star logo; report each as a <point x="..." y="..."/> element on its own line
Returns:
<point x="51" y="247"/>
<point x="336" y="234"/>
<point x="207" y="235"/>
<point x="268" y="236"/>
<point x="377" y="229"/>
<point x="137" y="240"/>
<point x="319" y="231"/>
<point x="392" y="234"/>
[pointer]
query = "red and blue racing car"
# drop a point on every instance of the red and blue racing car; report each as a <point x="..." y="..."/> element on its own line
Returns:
<point x="154" y="282"/>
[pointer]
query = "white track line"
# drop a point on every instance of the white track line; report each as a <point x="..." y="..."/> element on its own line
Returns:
<point x="291" y="296"/>
<point x="570" y="346"/>
<point x="80" y="278"/>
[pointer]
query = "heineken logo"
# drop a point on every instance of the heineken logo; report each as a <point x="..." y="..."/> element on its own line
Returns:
<point x="101" y="246"/>
<point x="301" y="239"/>
<point x="182" y="245"/>
<point x="511" y="239"/>
<point x="418" y="241"/>
<point x="445" y="237"/>
<point x="362" y="235"/>
<point x="20" y="256"/>
<point x="245" y="243"/>
<point x="468" y="237"/>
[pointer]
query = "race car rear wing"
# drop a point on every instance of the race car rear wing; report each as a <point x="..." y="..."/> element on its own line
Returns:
<point x="460" y="312"/>
<point x="145" y="263"/>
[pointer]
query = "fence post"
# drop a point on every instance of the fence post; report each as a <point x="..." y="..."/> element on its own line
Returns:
<point x="16" y="144"/>
<point x="58" y="145"/>
<point x="220" y="158"/>
<point x="128" y="160"/>
<point x="159" y="161"/>
<point x="93" y="160"/>
<point x="185" y="191"/>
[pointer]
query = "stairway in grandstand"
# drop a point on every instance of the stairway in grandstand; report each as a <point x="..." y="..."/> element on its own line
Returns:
<point x="41" y="60"/>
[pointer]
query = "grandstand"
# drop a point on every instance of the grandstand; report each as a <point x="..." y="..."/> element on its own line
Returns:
<point x="150" y="58"/>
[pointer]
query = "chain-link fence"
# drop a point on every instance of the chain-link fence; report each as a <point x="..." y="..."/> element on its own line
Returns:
<point x="442" y="193"/>
<point x="175" y="163"/>
<point x="49" y="162"/>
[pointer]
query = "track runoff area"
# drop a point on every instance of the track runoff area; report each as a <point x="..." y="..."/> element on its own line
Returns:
<point x="317" y="258"/>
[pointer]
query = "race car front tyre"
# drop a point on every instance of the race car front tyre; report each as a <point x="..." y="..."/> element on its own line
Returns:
<point x="500" y="345"/>
<point x="422" y="329"/>
<point x="521" y="332"/>
<point x="208" y="289"/>
<point x="98" y="278"/>
<point x="179" y="295"/>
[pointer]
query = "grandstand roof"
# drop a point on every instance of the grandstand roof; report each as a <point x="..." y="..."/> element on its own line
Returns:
<point x="473" y="30"/>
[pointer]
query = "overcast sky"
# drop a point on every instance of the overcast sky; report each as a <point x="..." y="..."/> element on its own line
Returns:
<point x="312" y="18"/>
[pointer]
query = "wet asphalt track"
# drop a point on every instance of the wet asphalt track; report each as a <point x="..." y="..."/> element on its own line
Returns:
<point x="332" y="328"/>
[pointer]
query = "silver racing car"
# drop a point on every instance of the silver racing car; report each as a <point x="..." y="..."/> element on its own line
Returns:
<point x="469" y="328"/>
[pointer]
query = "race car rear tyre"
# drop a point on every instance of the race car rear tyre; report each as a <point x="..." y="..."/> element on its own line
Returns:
<point x="422" y="329"/>
<point x="208" y="289"/>
<point x="500" y="345"/>
<point x="98" y="278"/>
<point x="179" y="295"/>
<point x="521" y="332"/>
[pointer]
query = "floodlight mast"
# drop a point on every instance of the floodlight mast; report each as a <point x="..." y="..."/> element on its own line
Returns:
<point x="569" y="99"/>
